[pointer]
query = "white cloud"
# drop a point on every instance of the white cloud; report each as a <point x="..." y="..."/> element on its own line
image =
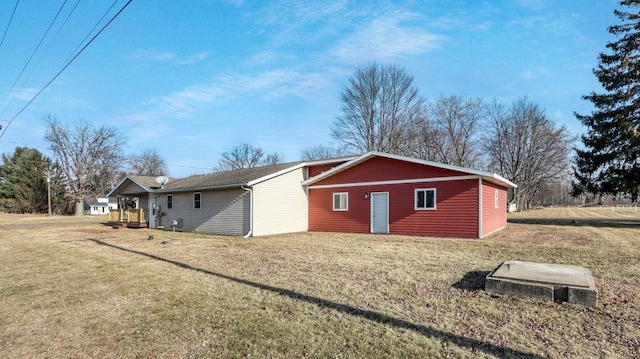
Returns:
<point x="157" y="56"/>
<point x="289" y="21"/>
<point x="264" y="86"/>
<point x="25" y="94"/>
<point x="387" y="37"/>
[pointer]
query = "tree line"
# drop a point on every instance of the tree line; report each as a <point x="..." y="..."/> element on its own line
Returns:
<point x="383" y="111"/>
<point x="88" y="162"/>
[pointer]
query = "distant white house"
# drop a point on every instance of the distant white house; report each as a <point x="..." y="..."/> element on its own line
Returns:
<point x="100" y="205"/>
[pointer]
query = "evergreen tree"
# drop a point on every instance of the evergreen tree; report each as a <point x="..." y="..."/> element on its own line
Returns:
<point x="610" y="160"/>
<point x="23" y="181"/>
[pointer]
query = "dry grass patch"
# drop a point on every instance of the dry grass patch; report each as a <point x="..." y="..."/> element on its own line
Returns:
<point x="81" y="289"/>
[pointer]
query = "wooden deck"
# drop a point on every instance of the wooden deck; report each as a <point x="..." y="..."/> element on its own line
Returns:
<point x="129" y="218"/>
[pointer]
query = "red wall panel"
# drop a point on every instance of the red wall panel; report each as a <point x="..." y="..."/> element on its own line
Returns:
<point x="493" y="218"/>
<point x="316" y="170"/>
<point x="456" y="211"/>
<point x="386" y="169"/>
<point x="323" y="218"/>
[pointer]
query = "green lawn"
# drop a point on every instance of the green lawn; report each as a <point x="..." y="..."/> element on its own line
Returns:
<point x="81" y="289"/>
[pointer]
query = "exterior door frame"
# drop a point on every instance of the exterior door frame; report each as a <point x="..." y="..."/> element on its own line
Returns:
<point x="152" y="211"/>
<point x="383" y="196"/>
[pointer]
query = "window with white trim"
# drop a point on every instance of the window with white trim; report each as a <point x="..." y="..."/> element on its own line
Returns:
<point x="169" y="201"/>
<point x="197" y="202"/>
<point x="341" y="201"/>
<point x="497" y="200"/>
<point x="425" y="199"/>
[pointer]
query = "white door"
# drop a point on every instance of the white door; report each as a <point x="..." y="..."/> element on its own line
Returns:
<point x="380" y="213"/>
<point x="152" y="212"/>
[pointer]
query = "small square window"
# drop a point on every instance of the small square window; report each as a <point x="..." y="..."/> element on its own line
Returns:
<point x="196" y="201"/>
<point x="169" y="201"/>
<point x="341" y="201"/>
<point x="425" y="199"/>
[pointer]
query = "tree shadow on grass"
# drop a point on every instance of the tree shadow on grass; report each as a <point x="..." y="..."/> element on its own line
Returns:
<point x="347" y="309"/>
<point x="472" y="281"/>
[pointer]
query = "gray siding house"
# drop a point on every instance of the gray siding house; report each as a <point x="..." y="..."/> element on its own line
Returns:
<point x="249" y="202"/>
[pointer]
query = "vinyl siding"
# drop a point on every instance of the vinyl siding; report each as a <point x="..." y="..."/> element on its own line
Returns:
<point x="280" y="205"/>
<point x="223" y="212"/>
<point x="143" y="202"/>
<point x="132" y="188"/>
<point x="456" y="211"/>
<point x="386" y="169"/>
<point x="493" y="218"/>
<point x="318" y="169"/>
<point x="322" y="217"/>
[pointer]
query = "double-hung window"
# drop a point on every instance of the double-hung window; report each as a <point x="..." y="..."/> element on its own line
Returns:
<point x="169" y="201"/>
<point x="197" y="202"/>
<point x="341" y="201"/>
<point x="425" y="199"/>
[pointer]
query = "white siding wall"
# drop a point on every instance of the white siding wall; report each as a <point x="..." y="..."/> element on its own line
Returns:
<point x="280" y="205"/>
<point x="222" y="212"/>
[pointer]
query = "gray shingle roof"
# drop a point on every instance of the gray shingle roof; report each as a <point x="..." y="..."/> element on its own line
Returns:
<point x="215" y="180"/>
<point x="146" y="181"/>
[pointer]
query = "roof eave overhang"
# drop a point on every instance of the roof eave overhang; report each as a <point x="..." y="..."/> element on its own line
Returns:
<point x="203" y="188"/>
<point x="118" y="189"/>
<point x="492" y="177"/>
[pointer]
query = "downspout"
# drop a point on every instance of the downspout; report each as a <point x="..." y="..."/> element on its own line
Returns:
<point x="250" y="233"/>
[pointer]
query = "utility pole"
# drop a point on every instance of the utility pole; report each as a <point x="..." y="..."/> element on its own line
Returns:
<point x="49" y="191"/>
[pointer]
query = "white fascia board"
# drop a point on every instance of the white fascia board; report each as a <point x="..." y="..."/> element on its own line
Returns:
<point x="392" y="182"/>
<point x="337" y="169"/>
<point x="275" y="174"/>
<point x="368" y="155"/>
<point x="298" y="166"/>
<point x="117" y="188"/>
<point x="329" y="161"/>
<point x="498" y="178"/>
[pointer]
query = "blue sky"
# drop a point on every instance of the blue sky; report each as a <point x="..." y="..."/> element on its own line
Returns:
<point x="194" y="78"/>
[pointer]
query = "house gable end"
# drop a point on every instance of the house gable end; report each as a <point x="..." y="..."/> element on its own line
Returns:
<point x="380" y="168"/>
<point x="129" y="185"/>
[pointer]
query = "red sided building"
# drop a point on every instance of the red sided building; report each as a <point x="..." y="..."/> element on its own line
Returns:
<point x="383" y="193"/>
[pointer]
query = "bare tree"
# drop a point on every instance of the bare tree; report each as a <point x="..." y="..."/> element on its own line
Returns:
<point x="321" y="152"/>
<point x="449" y="133"/>
<point x="89" y="157"/>
<point x="456" y="123"/>
<point x="148" y="163"/>
<point x="527" y="148"/>
<point x="378" y="108"/>
<point x="246" y="156"/>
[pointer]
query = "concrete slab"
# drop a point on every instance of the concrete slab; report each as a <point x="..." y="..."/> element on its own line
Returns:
<point x="557" y="282"/>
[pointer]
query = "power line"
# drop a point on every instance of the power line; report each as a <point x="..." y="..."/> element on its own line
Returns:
<point x="16" y="92"/>
<point x="34" y="52"/>
<point x="64" y="68"/>
<point x="93" y="28"/>
<point x="9" y="24"/>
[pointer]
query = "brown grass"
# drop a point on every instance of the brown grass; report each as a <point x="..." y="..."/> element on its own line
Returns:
<point x="72" y="288"/>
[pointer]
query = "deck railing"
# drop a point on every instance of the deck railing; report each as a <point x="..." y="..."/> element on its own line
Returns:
<point x="127" y="215"/>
